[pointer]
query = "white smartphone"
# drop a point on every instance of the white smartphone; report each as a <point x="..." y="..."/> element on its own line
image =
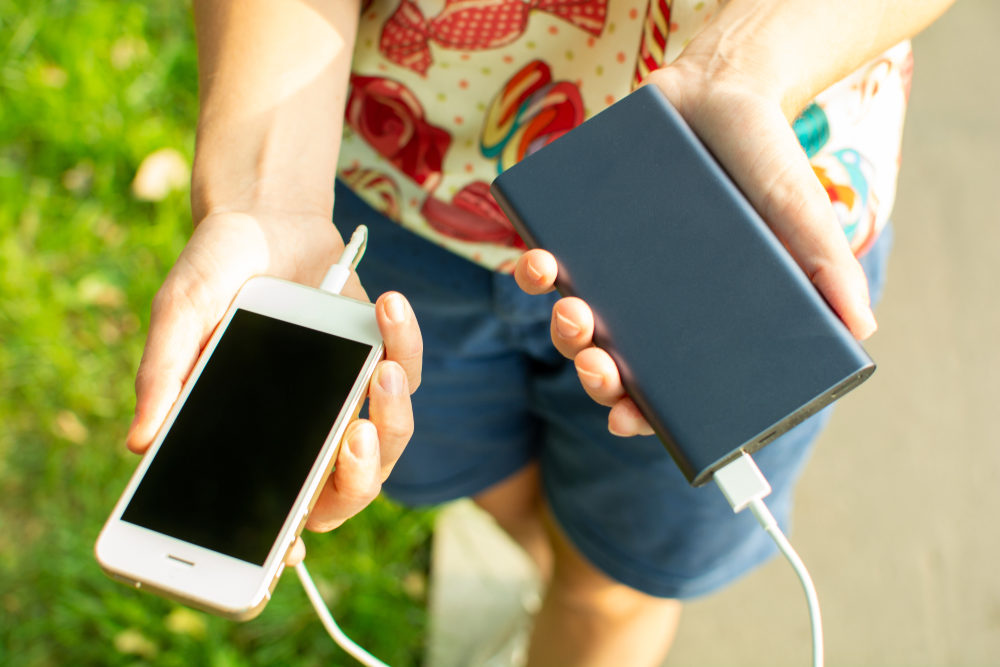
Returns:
<point x="236" y="467"/>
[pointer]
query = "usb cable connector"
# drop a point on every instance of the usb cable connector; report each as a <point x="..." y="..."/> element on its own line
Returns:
<point x="744" y="485"/>
<point x="338" y="273"/>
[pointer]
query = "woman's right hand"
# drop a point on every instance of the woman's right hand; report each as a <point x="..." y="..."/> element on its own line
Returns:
<point x="226" y="249"/>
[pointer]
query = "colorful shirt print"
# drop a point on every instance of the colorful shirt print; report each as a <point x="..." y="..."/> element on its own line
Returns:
<point x="446" y="94"/>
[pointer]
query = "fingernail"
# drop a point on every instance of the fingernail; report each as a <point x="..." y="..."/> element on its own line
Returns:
<point x="591" y="380"/>
<point x="394" y="308"/>
<point x="613" y="431"/>
<point x="390" y="379"/>
<point x="133" y="432"/>
<point x="533" y="272"/>
<point x="362" y="441"/>
<point x="566" y="327"/>
<point x="131" y="428"/>
<point x="624" y="412"/>
<point x="869" y="325"/>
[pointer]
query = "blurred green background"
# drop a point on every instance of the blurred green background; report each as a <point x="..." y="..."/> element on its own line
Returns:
<point x="89" y="90"/>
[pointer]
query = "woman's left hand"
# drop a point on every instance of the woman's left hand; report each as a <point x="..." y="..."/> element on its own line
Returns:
<point x="748" y="132"/>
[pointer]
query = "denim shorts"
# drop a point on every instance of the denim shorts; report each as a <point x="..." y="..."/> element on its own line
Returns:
<point x="496" y="395"/>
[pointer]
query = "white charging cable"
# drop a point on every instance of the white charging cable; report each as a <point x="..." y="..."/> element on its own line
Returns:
<point x="334" y="281"/>
<point x="343" y="641"/>
<point x="336" y="277"/>
<point x="744" y="486"/>
<point x="741" y="481"/>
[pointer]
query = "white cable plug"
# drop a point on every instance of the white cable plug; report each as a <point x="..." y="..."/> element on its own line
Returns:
<point x="334" y="281"/>
<point x="744" y="485"/>
<point x="338" y="273"/>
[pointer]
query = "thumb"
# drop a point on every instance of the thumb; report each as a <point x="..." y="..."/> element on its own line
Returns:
<point x="356" y="479"/>
<point x="750" y="136"/>
<point x="782" y="186"/>
<point x="176" y="334"/>
<point x="296" y="554"/>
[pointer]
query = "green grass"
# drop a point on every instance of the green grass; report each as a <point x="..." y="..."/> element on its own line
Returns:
<point x="87" y="89"/>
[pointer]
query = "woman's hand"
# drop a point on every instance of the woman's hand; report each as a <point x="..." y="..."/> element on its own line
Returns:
<point x="747" y="130"/>
<point x="226" y="249"/>
<point x="739" y="83"/>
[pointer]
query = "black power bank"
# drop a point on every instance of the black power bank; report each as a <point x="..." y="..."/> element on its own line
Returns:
<point x="721" y="339"/>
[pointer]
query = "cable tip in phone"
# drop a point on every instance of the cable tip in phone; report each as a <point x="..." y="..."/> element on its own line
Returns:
<point x="355" y="248"/>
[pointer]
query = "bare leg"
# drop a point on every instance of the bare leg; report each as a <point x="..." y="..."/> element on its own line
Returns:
<point x="586" y="619"/>
<point x="516" y="504"/>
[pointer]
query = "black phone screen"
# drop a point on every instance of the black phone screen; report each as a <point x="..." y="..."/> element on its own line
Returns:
<point x="229" y="470"/>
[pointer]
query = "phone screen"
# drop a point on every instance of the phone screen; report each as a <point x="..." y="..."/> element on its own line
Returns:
<point x="228" y="472"/>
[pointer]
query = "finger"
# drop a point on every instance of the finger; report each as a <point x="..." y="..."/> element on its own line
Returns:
<point x="626" y="420"/>
<point x="535" y="271"/>
<point x="176" y="333"/>
<point x="401" y="333"/>
<point x="391" y="412"/>
<point x="599" y="376"/>
<point x="799" y="211"/>
<point x="781" y="185"/>
<point x="296" y="554"/>
<point x="572" y="326"/>
<point x="355" y="481"/>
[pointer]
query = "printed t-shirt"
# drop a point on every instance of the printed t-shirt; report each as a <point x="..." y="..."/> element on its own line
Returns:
<point x="446" y="94"/>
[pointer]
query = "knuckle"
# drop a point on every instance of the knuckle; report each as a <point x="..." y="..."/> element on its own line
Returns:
<point x="818" y="271"/>
<point x="410" y="362"/>
<point x="163" y="299"/>
<point x="397" y="430"/>
<point x="406" y="351"/>
<point x="778" y="202"/>
<point x="361" y="496"/>
<point x="660" y="77"/>
<point x="789" y="203"/>
<point x="319" y="525"/>
<point x="141" y="376"/>
<point x="411" y="354"/>
<point x="172" y="297"/>
<point x="350" y="499"/>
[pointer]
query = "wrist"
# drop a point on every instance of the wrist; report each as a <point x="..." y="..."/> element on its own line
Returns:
<point x="719" y="64"/>
<point x="788" y="51"/>
<point x="272" y="242"/>
<point x="259" y="197"/>
<point x="230" y="174"/>
<point x="784" y="52"/>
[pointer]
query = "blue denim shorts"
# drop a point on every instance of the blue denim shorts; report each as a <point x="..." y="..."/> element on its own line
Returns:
<point x="496" y="395"/>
